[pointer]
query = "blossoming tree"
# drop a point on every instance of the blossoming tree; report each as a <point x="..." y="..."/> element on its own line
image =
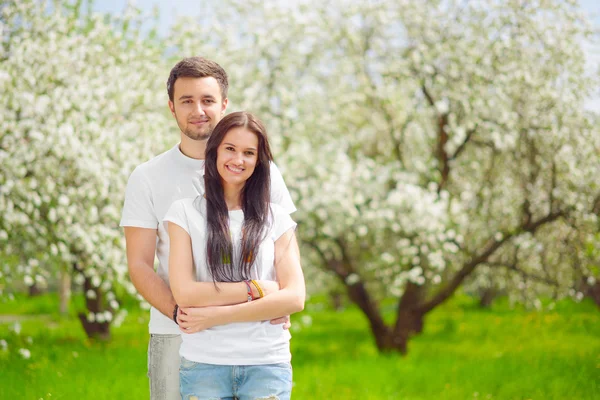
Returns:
<point x="80" y="106"/>
<point x="428" y="144"/>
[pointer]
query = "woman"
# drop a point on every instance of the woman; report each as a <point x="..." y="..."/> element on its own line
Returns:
<point x="232" y="234"/>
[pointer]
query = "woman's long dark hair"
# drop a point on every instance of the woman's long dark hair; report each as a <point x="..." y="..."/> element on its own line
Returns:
<point x="256" y="197"/>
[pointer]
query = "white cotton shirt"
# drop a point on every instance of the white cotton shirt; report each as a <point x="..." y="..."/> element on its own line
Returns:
<point x="153" y="186"/>
<point x="243" y="343"/>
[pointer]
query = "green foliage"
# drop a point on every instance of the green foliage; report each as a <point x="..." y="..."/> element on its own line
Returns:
<point x="464" y="353"/>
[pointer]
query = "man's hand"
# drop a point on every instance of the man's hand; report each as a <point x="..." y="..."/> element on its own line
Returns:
<point x="282" y="320"/>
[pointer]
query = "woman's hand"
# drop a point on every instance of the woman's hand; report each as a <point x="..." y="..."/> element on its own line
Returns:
<point x="196" y="319"/>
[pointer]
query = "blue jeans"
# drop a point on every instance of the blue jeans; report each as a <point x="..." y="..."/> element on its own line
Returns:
<point x="234" y="382"/>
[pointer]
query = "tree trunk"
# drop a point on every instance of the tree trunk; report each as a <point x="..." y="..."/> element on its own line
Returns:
<point x="337" y="300"/>
<point x="65" y="292"/>
<point x="487" y="297"/>
<point x="591" y="291"/>
<point x="409" y="322"/>
<point x="34" y="290"/>
<point x="409" y="316"/>
<point x="408" y="325"/>
<point x="93" y="328"/>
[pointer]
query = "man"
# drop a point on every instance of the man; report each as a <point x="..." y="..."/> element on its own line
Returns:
<point x="197" y="90"/>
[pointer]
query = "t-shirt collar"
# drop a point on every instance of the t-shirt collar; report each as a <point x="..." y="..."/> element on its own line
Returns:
<point x="188" y="161"/>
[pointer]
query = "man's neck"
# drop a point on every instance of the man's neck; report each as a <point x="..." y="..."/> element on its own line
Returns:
<point x="192" y="148"/>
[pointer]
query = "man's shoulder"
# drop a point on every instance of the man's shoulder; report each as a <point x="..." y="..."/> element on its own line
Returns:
<point x="277" y="210"/>
<point x="156" y="164"/>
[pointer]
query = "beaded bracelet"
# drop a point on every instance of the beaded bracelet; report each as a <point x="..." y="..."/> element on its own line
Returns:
<point x="250" y="297"/>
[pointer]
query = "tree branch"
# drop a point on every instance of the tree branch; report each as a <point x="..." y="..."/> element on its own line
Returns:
<point x="442" y="139"/>
<point x="356" y="290"/>
<point x="490" y="248"/>
<point x="514" y="267"/>
<point x="463" y="145"/>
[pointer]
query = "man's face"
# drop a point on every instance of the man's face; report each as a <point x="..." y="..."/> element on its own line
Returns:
<point x="197" y="106"/>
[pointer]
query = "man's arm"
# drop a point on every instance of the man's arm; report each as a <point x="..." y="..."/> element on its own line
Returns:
<point x="288" y="300"/>
<point x="141" y="246"/>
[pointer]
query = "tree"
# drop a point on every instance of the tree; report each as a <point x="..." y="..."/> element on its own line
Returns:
<point x="80" y="108"/>
<point x="427" y="144"/>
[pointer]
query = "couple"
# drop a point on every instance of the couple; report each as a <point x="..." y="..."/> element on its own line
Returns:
<point x="228" y="260"/>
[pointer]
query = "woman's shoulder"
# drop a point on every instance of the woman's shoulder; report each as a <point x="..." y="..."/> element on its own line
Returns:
<point x="189" y="205"/>
<point x="184" y="203"/>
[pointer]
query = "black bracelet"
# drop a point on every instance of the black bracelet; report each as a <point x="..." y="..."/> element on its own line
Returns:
<point x="175" y="314"/>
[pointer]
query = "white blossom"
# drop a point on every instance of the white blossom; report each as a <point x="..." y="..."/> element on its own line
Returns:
<point x="25" y="353"/>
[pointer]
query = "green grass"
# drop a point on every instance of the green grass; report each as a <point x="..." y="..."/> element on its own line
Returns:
<point x="464" y="353"/>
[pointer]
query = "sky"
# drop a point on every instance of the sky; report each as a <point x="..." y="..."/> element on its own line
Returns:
<point x="170" y="10"/>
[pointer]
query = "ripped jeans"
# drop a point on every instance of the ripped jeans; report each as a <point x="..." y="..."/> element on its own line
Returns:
<point x="235" y="382"/>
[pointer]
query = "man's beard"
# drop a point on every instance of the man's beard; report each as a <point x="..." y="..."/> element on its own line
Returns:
<point x="198" y="135"/>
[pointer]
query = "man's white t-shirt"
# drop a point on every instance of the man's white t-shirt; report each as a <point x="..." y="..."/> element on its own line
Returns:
<point x="244" y="343"/>
<point x="153" y="186"/>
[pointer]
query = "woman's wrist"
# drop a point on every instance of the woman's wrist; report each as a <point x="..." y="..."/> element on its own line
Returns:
<point x="257" y="291"/>
<point x="255" y="294"/>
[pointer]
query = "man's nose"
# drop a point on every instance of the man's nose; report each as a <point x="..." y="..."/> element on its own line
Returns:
<point x="199" y="109"/>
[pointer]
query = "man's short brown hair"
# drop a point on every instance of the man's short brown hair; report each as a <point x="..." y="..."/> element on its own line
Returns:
<point x="197" y="67"/>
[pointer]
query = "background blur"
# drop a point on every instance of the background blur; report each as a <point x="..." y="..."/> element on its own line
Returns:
<point x="444" y="157"/>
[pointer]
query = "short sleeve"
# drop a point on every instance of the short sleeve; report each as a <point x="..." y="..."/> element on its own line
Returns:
<point x="177" y="216"/>
<point x="279" y="191"/>
<point x="138" y="208"/>
<point x="282" y="222"/>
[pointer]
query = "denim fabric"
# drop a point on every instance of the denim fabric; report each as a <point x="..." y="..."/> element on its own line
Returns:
<point x="235" y="382"/>
<point x="163" y="366"/>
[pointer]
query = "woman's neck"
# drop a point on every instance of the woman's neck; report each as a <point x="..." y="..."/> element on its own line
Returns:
<point x="233" y="196"/>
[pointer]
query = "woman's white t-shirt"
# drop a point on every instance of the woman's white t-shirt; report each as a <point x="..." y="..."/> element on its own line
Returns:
<point x="245" y="343"/>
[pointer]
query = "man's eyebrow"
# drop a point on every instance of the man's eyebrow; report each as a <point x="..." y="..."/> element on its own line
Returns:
<point x="186" y="96"/>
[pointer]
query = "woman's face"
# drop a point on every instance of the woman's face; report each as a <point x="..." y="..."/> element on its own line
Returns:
<point x="237" y="156"/>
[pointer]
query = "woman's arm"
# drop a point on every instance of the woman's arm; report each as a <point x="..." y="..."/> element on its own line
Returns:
<point x="189" y="293"/>
<point x="288" y="300"/>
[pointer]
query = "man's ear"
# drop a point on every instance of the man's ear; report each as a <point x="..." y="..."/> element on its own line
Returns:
<point x="224" y="105"/>
<point x="172" y="107"/>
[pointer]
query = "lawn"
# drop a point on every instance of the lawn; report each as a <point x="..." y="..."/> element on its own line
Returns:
<point x="464" y="353"/>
